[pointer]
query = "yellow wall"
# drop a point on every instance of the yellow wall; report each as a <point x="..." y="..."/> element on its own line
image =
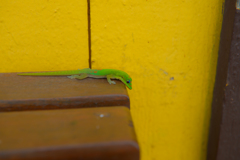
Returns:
<point x="41" y="35"/>
<point x="168" y="47"/>
<point x="155" y="40"/>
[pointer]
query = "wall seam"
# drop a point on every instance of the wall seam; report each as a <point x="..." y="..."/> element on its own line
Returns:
<point x="89" y="35"/>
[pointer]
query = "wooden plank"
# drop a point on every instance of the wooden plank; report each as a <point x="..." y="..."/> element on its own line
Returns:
<point x="19" y="93"/>
<point x="225" y="113"/>
<point x="89" y="133"/>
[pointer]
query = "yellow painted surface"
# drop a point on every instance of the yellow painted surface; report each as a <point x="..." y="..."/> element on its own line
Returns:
<point x="170" y="50"/>
<point x="41" y="35"/>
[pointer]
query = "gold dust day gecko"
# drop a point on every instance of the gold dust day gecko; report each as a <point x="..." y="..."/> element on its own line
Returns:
<point x="87" y="72"/>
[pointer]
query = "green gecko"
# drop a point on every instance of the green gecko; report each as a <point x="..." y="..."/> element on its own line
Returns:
<point x="87" y="72"/>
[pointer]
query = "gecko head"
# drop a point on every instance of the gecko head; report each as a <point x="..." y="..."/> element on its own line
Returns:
<point x="125" y="78"/>
<point x="129" y="83"/>
<point x="128" y="80"/>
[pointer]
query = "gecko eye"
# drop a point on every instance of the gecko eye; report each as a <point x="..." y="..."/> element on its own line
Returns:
<point x="128" y="81"/>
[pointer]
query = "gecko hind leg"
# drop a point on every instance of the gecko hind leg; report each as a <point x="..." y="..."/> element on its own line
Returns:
<point x="81" y="76"/>
<point x="109" y="79"/>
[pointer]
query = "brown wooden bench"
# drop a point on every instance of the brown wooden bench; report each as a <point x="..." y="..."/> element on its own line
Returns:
<point x="62" y="118"/>
<point x="19" y="93"/>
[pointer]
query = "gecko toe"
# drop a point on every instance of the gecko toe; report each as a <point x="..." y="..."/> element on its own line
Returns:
<point x="113" y="82"/>
<point x="71" y="77"/>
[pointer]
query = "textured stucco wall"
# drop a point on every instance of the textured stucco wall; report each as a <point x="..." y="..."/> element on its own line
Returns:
<point x="170" y="50"/>
<point x="40" y="35"/>
<point x="168" y="47"/>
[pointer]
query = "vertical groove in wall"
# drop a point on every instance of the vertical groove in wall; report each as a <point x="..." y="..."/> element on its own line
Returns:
<point x="89" y="34"/>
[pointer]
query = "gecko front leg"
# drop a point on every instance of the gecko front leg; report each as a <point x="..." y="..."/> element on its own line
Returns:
<point x="109" y="79"/>
<point x="121" y="79"/>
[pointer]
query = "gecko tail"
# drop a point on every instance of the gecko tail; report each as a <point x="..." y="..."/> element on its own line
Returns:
<point x="54" y="73"/>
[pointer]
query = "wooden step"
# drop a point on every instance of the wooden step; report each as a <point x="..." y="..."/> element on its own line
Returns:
<point x="102" y="133"/>
<point x="18" y="93"/>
